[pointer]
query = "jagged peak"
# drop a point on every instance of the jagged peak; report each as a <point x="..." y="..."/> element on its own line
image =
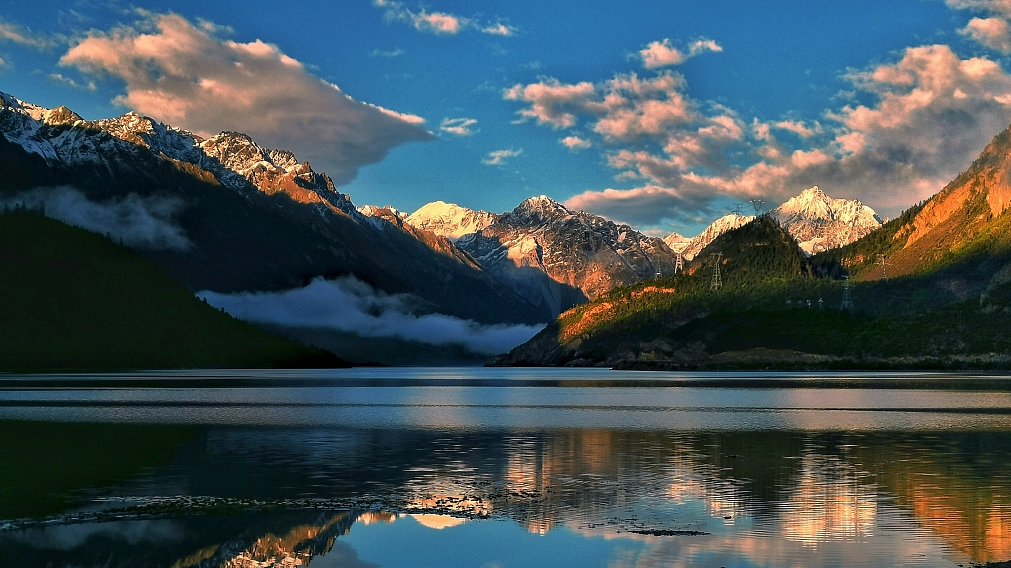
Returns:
<point x="61" y="115"/>
<point x="541" y="205"/>
<point x="34" y="111"/>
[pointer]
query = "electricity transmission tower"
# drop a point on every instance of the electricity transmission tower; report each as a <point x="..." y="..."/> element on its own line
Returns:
<point x="717" y="281"/>
<point x="883" y="261"/>
<point x="758" y="204"/>
<point x="679" y="266"/>
<point x="738" y="210"/>
<point x="847" y="301"/>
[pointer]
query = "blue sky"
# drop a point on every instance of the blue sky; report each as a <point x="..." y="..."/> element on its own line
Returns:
<point x="660" y="114"/>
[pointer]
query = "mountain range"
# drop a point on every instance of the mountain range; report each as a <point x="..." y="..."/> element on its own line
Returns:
<point x="928" y="289"/>
<point x="254" y="219"/>
<point x="242" y="218"/>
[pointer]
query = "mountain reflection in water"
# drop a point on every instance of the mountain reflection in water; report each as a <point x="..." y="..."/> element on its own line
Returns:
<point x="227" y="495"/>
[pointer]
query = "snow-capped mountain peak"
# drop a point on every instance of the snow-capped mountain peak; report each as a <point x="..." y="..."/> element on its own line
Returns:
<point x="725" y="223"/>
<point x="449" y="219"/>
<point x="820" y="222"/>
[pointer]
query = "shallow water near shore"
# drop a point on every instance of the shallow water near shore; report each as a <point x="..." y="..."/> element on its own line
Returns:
<point x="504" y="467"/>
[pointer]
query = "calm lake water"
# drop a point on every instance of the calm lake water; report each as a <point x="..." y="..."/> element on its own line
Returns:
<point x="504" y="468"/>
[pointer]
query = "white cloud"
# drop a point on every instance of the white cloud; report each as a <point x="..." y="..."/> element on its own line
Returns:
<point x="499" y="157"/>
<point x="551" y="102"/>
<point x="140" y="222"/>
<point x="993" y="33"/>
<point x="458" y="126"/>
<point x="439" y="23"/>
<point x="928" y="115"/>
<point x="1002" y="7"/>
<point x="17" y="34"/>
<point x="799" y="128"/>
<point x="186" y="76"/>
<point x="349" y="305"/>
<point x="575" y="143"/>
<point x="90" y="86"/>
<point x="664" y="54"/>
<point x="499" y="29"/>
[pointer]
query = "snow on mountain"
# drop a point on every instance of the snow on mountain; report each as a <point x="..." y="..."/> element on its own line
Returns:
<point x="676" y="241"/>
<point x="450" y="220"/>
<point x="234" y="159"/>
<point x="556" y="257"/>
<point x="819" y="222"/>
<point x="695" y="244"/>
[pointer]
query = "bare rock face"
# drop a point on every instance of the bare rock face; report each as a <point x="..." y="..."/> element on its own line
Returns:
<point x="556" y="258"/>
<point x="819" y="222"/>
<point x="450" y="220"/>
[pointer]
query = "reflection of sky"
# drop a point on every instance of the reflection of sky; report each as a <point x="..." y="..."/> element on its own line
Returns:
<point x="568" y="471"/>
<point x="483" y="398"/>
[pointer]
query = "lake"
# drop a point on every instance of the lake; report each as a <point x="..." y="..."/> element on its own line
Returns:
<point x="477" y="467"/>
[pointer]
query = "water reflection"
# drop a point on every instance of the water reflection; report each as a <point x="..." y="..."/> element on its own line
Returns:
<point x="462" y="471"/>
<point x="256" y="497"/>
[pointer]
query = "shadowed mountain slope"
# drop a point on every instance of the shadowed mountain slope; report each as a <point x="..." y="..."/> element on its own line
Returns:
<point x="257" y="219"/>
<point x="73" y="300"/>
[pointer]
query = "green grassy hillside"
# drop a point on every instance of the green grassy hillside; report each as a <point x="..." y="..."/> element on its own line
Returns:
<point x="73" y="300"/>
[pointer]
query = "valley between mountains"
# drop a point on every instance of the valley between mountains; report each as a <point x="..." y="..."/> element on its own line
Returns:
<point x="816" y="282"/>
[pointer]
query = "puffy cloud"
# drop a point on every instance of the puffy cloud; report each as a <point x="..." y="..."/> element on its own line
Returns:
<point x="639" y="206"/>
<point x="551" y="102"/>
<point x="458" y="126"/>
<point x="929" y="115"/>
<point x="993" y="33"/>
<point x="575" y="143"/>
<point x="140" y="222"/>
<point x="349" y="305"/>
<point x="664" y="54"/>
<point x="184" y="75"/>
<point x="799" y="127"/>
<point x="499" y="157"/>
<point x="1002" y="7"/>
<point x="440" y="23"/>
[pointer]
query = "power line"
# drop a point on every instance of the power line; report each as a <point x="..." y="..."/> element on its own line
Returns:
<point x="847" y="300"/>
<point x="717" y="280"/>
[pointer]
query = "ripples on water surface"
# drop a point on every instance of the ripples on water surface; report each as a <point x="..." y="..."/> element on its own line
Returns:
<point x="504" y="467"/>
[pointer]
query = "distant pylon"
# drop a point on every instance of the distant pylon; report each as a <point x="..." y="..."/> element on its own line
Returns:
<point x="758" y="204"/>
<point x="847" y="301"/>
<point x="717" y="281"/>
<point x="883" y="261"/>
<point x="679" y="266"/>
<point x="738" y="210"/>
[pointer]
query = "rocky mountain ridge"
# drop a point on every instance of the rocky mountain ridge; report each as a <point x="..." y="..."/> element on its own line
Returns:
<point x="258" y="219"/>
<point x="817" y="221"/>
<point x="450" y="220"/>
<point x="820" y="222"/>
<point x="556" y="257"/>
